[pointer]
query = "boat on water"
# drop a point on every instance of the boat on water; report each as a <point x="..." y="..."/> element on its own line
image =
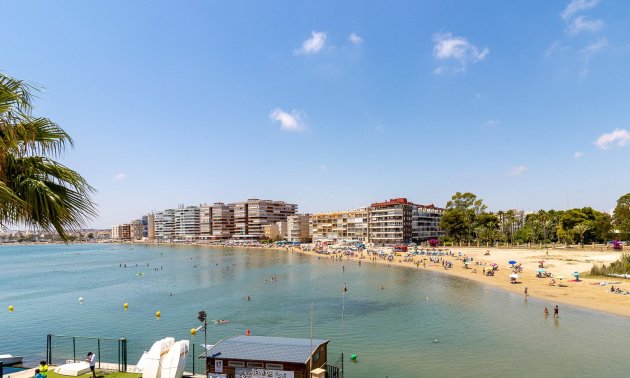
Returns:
<point x="9" y="359"/>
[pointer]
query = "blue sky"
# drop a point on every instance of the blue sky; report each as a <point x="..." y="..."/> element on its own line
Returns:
<point x="333" y="105"/>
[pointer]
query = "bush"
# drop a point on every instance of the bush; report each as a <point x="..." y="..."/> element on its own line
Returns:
<point x="621" y="266"/>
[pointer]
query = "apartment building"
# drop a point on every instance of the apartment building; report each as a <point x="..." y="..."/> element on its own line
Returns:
<point x="341" y="226"/>
<point x="425" y="222"/>
<point x="135" y="229"/>
<point x="164" y="225"/>
<point x="121" y="232"/>
<point x="250" y="216"/>
<point x="390" y="221"/>
<point x="400" y="221"/>
<point x="151" y="226"/>
<point x="275" y="231"/>
<point x="298" y="228"/>
<point x="186" y="223"/>
<point x="145" y="226"/>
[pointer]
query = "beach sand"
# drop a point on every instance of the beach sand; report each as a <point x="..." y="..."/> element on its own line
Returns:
<point x="586" y="293"/>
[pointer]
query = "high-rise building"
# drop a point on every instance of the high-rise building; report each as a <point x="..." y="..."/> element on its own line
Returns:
<point x="400" y="221"/>
<point x="222" y="219"/>
<point x="145" y="226"/>
<point x="135" y="229"/>
<point x="186" y="223"/>
<point x="151" y="226"/>
<point x="298" y="228"/>
<point x="250" y="216"/>
<point x="164" y="225"/>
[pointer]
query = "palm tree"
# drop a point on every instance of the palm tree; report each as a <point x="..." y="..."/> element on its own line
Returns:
<point x="581" y="229"/>
<point x="36" y="190"/>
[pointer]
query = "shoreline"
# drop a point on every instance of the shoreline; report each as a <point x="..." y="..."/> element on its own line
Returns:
<point x="587" y="293"/>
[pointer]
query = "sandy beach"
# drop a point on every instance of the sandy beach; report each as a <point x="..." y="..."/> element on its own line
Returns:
<point x="587" y="293"/>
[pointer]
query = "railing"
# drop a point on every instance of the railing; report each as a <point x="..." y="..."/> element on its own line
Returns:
<point x="60" y="348"/>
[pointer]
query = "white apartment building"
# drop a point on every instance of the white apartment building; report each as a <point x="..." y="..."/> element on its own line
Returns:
<point x="121" y="232"/>
<point x="186" y="227"/>
<point x="165" y="225"/>
<point x="298" y="228"/>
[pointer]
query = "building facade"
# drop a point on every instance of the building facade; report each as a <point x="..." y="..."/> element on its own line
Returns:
<point x="400" y="221"/>
<point x="164" y="225"/>
<point x="339" y="227"/>
<point x="136" y="229"/>
<point x="298" y="228"/>
<point x="250" y="216"/>
<point x="186" y="223"/>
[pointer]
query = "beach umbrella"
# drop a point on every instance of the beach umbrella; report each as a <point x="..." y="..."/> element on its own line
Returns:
<point x="511" y="262"/>
<point x="576" y="274"/>
<point x="541" y="271"/>
<point x="513" y="275"/>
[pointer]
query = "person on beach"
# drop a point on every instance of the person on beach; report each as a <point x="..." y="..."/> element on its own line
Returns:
<point x="555" y="312"/>
<point x="525" y="290"/>
<point x="546" y="311"/>
<point x="91" y="358"/>
<point x="43" y="368"/>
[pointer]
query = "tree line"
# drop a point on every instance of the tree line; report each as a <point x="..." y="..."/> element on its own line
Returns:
<point x="467" y="220"/>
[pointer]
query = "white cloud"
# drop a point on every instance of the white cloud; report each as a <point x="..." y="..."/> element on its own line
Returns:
<point x="578" y="154"/>
<point x="594" y="47"/>
<point x="618" y="138"/>
<point x="581" y="24"/>
<point x="355" y="39"/>
<point x="314" y="44"/>
<point x="517" y="171"/>
<point x="448" y="47"/>
<point x="576" y="6"/>
<point x="120" y="176"/>
<point x="293" y="121"/>
<point x="492" y="123"/>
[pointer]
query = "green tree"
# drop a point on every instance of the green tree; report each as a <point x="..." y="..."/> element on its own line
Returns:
<point x="580" y="230"/>
<point x="36" y="190"/>
<point x="621" y="216"/>
<point x="460" y="215"/>
<point x="602" y="227"/>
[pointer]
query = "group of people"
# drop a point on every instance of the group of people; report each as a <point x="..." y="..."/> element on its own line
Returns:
<point x="555" y="312"/>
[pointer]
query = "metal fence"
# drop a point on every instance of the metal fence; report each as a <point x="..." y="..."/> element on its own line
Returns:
<point x="110" y="353"/>
<point x="336" y="370"/>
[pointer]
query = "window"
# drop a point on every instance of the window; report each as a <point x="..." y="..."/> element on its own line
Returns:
<point x="256" y="365"/>
<point x="238" y="364"/>
<point x="275" y="367"/>
<point x="316" y="357"/>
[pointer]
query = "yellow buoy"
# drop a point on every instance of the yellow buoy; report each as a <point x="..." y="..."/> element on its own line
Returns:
<point x="193" y="331"/>
<point x="11" y="308"/>
<point x="158" y="314"/>
<point x="126" y="306"/>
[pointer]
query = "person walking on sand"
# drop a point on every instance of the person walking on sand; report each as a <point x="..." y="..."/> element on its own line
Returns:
<point x="91" y="358"/>
<point x="555" y="312"/>
<point x="525" y="290"/>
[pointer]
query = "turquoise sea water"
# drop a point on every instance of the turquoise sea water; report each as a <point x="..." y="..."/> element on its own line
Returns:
<point x="481" y="331"/>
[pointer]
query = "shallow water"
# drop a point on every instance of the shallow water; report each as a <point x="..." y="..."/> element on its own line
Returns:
<point x="420" y="324"/>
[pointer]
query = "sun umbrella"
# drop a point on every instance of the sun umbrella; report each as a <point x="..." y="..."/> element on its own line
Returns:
<point x="541" y="271"/>
<point x="576" y="274"/>
<point x="511" y="262"/>
<point x="513" y="275"/>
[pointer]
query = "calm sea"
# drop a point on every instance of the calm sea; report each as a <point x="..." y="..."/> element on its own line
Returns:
<point x="421" y="324"/>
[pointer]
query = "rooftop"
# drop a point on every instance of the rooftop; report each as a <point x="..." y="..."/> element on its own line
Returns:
<point x="266" y="348"/>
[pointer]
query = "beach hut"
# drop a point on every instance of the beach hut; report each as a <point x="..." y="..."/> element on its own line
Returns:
<point x="265" y="356"/>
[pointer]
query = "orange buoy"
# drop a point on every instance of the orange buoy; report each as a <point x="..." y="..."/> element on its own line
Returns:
<point x="247" y="333"/>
